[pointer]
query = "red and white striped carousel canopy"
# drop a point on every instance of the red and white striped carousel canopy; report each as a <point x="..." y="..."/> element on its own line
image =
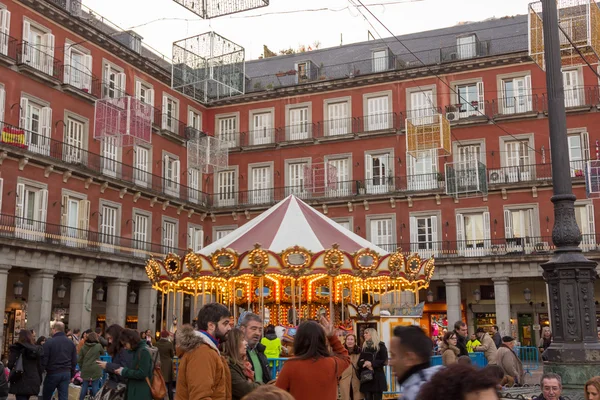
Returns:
<point x="291" y="223"/>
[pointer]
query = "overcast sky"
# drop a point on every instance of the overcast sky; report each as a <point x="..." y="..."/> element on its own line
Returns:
<point x="279" y="29"/>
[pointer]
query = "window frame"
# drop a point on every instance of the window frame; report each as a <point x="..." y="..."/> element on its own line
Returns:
<point x="85" y="122"/>
<point x="168" y="220"/>
<point x="236" y="133"/>
<point x="378" y="217"/>
<point x="147" y="214"/>
<point x="222" y="228"/>
<point x="236" y="178"/>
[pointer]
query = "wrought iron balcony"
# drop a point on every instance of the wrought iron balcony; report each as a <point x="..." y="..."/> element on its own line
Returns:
<point x="465" y="51"/>
<point x="8" y="46"/>
<point x="39" y="60"/>
<point x="516" y="105"/>
<point x="82" y="80"/>
<point x="520" y="174"/>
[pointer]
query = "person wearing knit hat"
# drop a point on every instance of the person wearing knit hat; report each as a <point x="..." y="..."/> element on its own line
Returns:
<point x="166" y="351"/>
<point x="509" y="362"/>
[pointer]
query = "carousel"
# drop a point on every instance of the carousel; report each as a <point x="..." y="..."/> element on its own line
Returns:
<point x="289" y="264"/>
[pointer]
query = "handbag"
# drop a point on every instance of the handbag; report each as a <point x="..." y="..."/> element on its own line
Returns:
<point x="158" y="387"/>
<point x="367" y="376"/>
<point x="17" y="372"/>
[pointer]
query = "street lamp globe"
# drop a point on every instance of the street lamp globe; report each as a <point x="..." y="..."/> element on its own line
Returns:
<point x="61" y="291"/>
<point x="527" y="295"/>
<point x="430" y="296"/>
<point x="186" y="302"/>
<point x="18" y="288"/>
<point x="132" y="296"/>
<point x="100" y="294"/>
<point x="477" y="295"/>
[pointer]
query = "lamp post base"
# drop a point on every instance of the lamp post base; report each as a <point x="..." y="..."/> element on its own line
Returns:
<point x="574" y="375"/>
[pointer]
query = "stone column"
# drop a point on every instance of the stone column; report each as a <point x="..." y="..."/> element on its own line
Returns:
<point x="39" y="303"/>
<point x="116" y="302"/>
<point x="453" y="301"/>
<point x="80" y="307"/>
<point x="502" y="295"/>
<point x="147" y="308"/>
<point x="3" y="292"/>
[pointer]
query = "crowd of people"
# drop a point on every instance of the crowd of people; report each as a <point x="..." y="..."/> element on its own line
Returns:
<point x="220" y="361"/>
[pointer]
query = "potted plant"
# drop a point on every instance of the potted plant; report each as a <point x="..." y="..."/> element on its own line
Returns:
<point x="440" y="177"/>
<point x="579" y="173"/>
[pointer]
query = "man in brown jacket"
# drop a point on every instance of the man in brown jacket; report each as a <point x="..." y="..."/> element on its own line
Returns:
<point x="487" y="346"/>
<point x="508" y="360"/>
<point x="203" y="375"/>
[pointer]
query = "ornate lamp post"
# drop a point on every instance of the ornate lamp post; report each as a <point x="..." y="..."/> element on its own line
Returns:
<point x="575" y="351"/>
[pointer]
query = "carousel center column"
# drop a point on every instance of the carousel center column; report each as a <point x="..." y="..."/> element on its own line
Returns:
<point x="39" y="303"/>
<point x="147" y="307"/>
<point x="116" y="302"/>
<point x="453" y="301"/>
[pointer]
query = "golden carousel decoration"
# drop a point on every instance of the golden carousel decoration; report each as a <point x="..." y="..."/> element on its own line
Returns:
<point x="297" y="274"/>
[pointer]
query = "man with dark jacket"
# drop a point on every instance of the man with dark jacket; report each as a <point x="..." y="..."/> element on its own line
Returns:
<point x="461" y="331"/>
<point x="252" y="326"/>
<point x="59" y="361"/>
<point x="496" y="337"/>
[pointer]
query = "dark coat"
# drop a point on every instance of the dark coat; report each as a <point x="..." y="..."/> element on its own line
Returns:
<point x="123" y="358"/>
<point x="497" y="339"/>
<point x="461" y="343"/>
<point x="30" y="382"/>
<point x="141" y="368"/>
<point x="60" y="354"/>
<point x="240" y="386"/>
<point x="260" y="350"/>
<point x="378" y="360"/>
<point x="166" y="350"/>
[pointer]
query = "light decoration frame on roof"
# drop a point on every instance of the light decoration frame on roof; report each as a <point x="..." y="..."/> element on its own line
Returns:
<point x="225" y="263"/>
<point x="207" y="9"/>
<point x="430" y="132"/>
<point x="466" y="179"/>
<point x="208" y="68"/>
<point x="126" y="121"/>
<point x="206" y="153"/>
<point x="580" y="20"/>
<point x="296" y="261"/>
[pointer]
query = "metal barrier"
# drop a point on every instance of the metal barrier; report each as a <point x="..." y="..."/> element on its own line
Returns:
<point x="477" y="359"/>
<point x="529" y="356"/>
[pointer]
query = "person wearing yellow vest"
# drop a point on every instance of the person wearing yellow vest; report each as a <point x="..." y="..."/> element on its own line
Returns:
<point x="272" y="343"/>
<point x="471" y="344"/>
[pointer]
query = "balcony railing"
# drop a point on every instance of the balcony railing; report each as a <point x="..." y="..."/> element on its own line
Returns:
<point x="168" y="123"/>
<point x="297" y="132"/>
<point x="83" y="81"/>
<point x="94" y="163"/>
<point x="517" y="105"/>
<point x="577" y="97"/>
<point x="258" y="137"/>
<point x="40" y="60"/>
<point x="488" y="247"/>
<point x="465" y="51"/>
<point x="520" y="174"/>
<point x="110" y="90"/>
<point x="23" y="229"/>
<point x="8" y="46"/>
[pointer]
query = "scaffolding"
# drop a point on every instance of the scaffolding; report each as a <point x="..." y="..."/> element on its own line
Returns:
<point x="207" y="9"/>
<point x="579" y="21"/>
<point x="126" y="121"/>
<point x="208" y="67"/>
<point x="206" y="153"/>
<point x="466" y="179"/>
<point x="430" y="132"/>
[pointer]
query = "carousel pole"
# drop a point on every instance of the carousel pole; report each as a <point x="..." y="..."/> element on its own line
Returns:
<point x="331" y="311"/>
<point x="416" y="297"/>
<point x="162" y="310"/>
<point x="168" y="328"/>
<point x="261" y="283"/>
<point x="295" y="313"/>
<point x="194" y="311"/>
<point x="203" y="292"/>
<point x="299" y="303"/>
<point x="342" y="302"/>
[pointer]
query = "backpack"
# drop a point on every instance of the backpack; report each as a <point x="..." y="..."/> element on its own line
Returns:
<point x="158" y="388"/>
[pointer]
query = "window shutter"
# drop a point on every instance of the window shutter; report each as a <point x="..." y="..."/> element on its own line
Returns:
<point x="64" y="207"/>
<point x="198" y="240"/>
<point x="414" y="241"/>
<point x="26" y="34"/>
<point x="368" y="168"/>
<point x="87" y="74"/>
<point x="122" y="80"/>
<point x="2" y="105"/>
<point x="190" y="241"/>
<point x="480" y="97"/>
<point x="138" y="90"/>
<point x="591" y="222"/>
<point x="43" y="205"/>
<point x="4" y="30"/>
<point x="24" y="121"/>
<point x="67" y="63"/>
<point x="191" y="119"/>
<point x="176" y="171"/>
<point x="84" y="216"/>
<point x="508" y="228"/>
<point x="48" y="43"/>
<point x="460" y="231"/>
<point x="374" y="234"/>
<point x="46" y="123"/>
<point x="434" y="234"/>
<point x="166" y="167"/>
<point x="150" y="96"/>
<point x="487" y="234"/>
<point x="20" y="205"/>
<point x="585" y="138"/>
<point x="164" y="112"/>
<point x="1" y="193"/>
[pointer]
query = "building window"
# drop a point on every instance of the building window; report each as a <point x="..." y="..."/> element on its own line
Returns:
<point x="170" y="114"/>
<point x="171" y="171"/>
<point x="110" y="156"/>
<point x="379" y="173"/>
<point x="295" y="178"/>
<point x="38" y="48"/>
<point x="142" y="164"/>
<point x="515" y="95"/>
<point x="75" y="218"/>
<point x="4" y="30"/>
<point x="579" y="152"/>
<point x="114" y="81"/>
<point x="78" y="68"/>
<point x="422" y="107"/>
<point x="75" y="134"/>
<point x="108" y="227"/>
<point x="339" y="169"/>
<point x="518" y="166"/>
<point x="422" y="171"/>
<point x="303" y="69"/>
<point x="584" y="214"/>
<point x="226" y="188"/>
<point x="574" y="93"/>
<point x="195" y="238"/>
<point x="469" y="154"/>
<point x="299" y="128"/>
<point x="470" y="101"/>
<point x="424" y="235"/>
<point x="382" y="233"/>
<point x="194" y="179"/>
<point x="220" y="233"/>
<point x="262" y="132"/>
<point x="31" y="211"/>
<point x="519" y="228"/>
<point x="36" y="120"/>
<point x="344" y="222"/>
<point x="227" y="130"/>
<point x="195" y="120"/>
<point x="378" y="115"/>
<point x="141" y="234"/>
<point x="380" y="60"/>
<point x="466" y="47"/>
<point x="2" y="105"/>
<point x="169" y="236"/>
<point x="145" y="93"/>
<point x="338" y="121"/>
<point x="473" y="233"/>
<point x="261" y="186"/>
